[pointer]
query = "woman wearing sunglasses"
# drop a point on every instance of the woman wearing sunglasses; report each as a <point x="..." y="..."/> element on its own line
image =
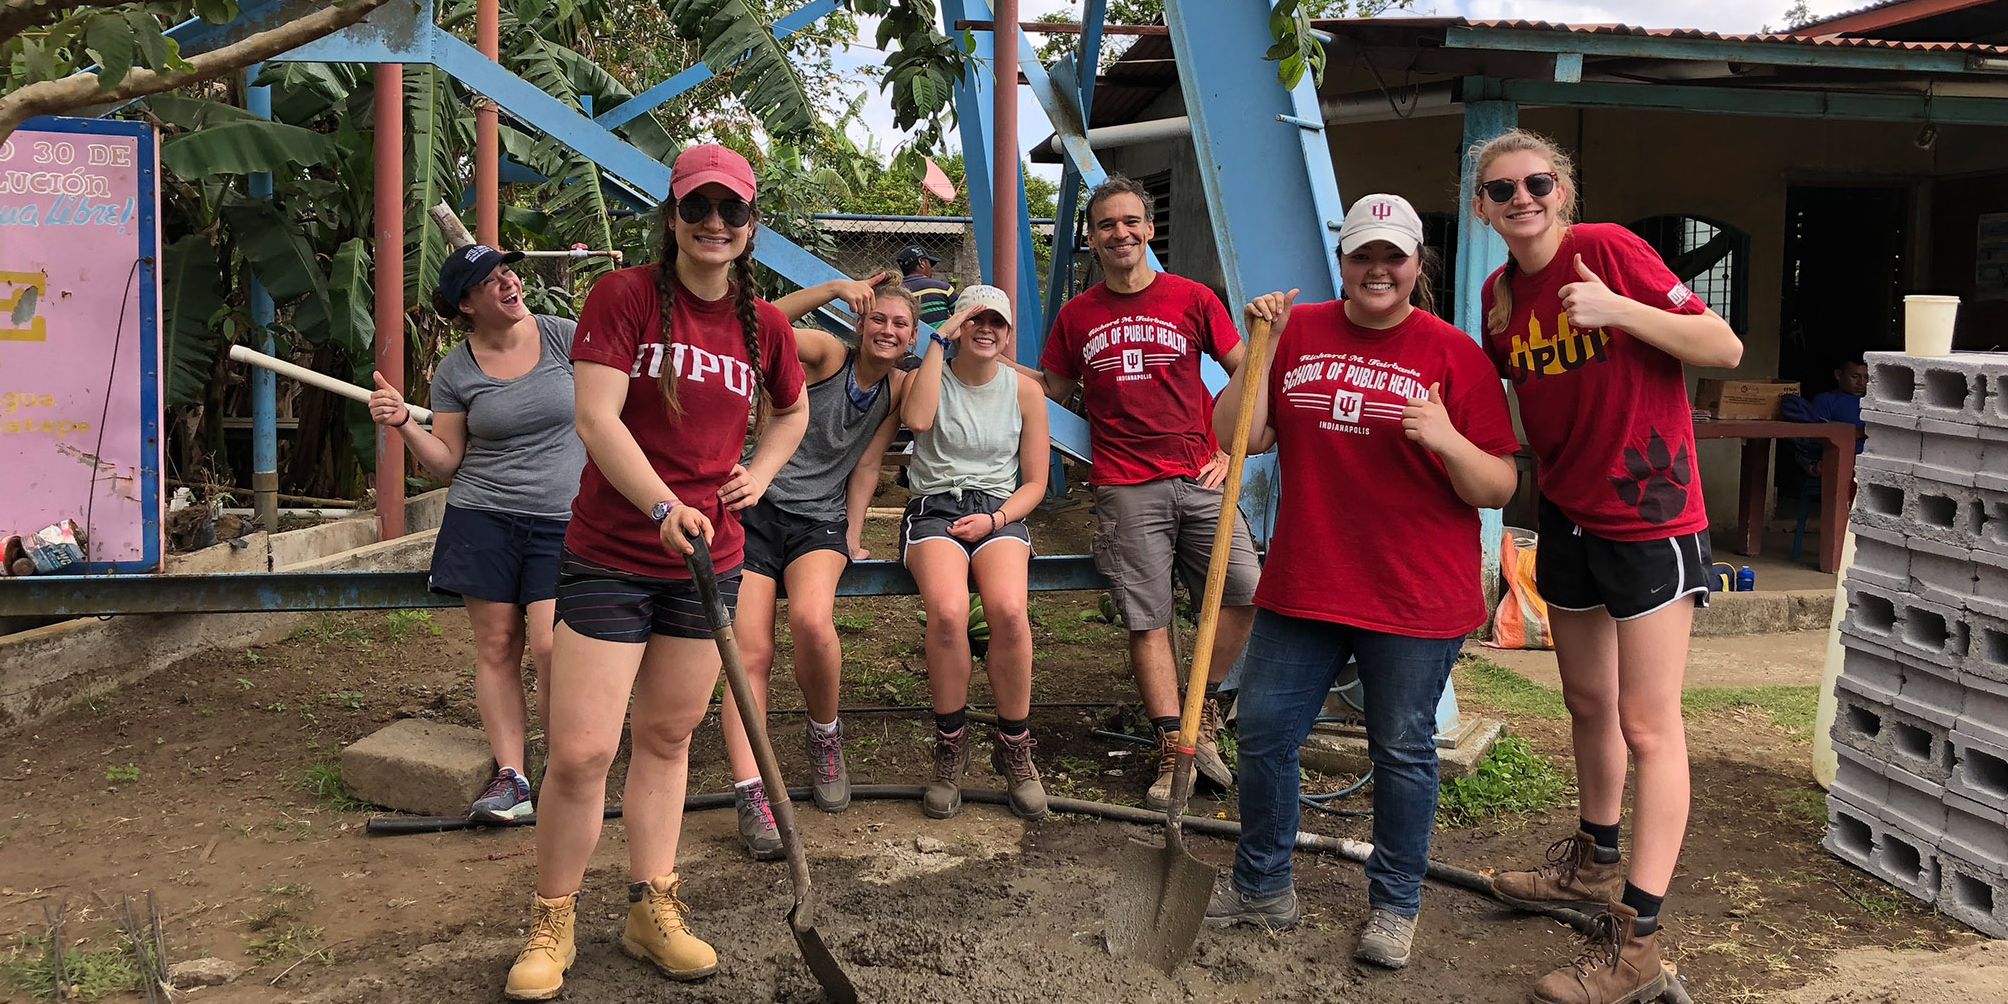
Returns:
<point x="1392" y="431"/>
<point x="979" y="468"/>
<point x="502" y="434"/>
<point x="675" y="362"/>
<point x="805" y="531"/>
<point x="1593" y="330"/>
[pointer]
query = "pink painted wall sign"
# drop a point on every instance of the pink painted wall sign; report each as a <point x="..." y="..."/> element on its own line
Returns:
<point x="80" y="344"/>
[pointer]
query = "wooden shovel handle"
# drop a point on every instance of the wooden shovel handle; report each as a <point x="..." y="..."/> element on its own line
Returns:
<point x="1223" y="538"/>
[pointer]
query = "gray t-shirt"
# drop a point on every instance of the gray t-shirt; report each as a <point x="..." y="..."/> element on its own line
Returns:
<point x="523" y="451"/>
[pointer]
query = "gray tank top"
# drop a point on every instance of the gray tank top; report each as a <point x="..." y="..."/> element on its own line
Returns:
<point x="812" y="483"/>
<point x="973" y="445"/>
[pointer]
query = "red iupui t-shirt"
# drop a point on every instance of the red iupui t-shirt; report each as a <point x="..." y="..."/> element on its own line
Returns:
<point x="1369" y="531"/>
<point x="1150" y="415"/>
<point x="621" y="327"/>
<point x="1606" y="413"/>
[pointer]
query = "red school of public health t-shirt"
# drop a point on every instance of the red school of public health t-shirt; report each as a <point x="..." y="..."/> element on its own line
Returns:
<point x="621" y="327"/>
<point x="1606" y="413"/>
<point x="1369" y="530"/>
<point x="1150" y="416"/>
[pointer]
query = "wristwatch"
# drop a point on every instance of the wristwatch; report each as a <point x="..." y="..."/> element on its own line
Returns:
<point x="661" y="510"/>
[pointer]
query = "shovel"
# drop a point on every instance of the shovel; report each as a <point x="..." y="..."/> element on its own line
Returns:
<point x="802" y="915"/>
<point x="1160" y="894"/>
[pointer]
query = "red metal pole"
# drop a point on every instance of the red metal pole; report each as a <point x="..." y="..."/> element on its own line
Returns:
<point x="390" y="288"/>
<point x="487" y="141"/>
<point x="1004" y="154"/>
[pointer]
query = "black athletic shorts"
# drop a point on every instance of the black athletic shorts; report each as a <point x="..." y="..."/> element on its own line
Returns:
<point x="928" y="517"/>
<point x="1577" y="570"/>
<point x="611" y="605"/>
<point x="496" y="556"/>
<point x="776" y="538"/>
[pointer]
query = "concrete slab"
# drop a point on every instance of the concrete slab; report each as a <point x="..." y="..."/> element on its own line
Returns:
<point x="1343" y="749"/>
<point x="414" y="765"/>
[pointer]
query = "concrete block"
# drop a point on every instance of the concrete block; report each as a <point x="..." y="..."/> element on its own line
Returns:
<point x="1873" y="726"/>
<point x="1880" y="558"/>
<point x="1948" y="452"/>
<point x="1976" y="833"/>
<point x="415" y="765"/>
<point x="1986" y="704"/>
<point x="1880" y="500"/>
<point x="1992" y="509"/>
<point x="1990" y="572"/>
<point x="1906" y="622"/>
<point x="1973" y="896"/>
<point x="1876" y="669"/>
<point x="1949" y="388"/>
<point x="1980" y="767"/>
<point x="1987" y="643"/>
<point x="1862" y="837"/>
<point x="1891" y="446"/>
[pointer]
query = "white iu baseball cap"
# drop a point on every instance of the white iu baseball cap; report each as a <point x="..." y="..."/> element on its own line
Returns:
<point x="985" y="296"/>
<point x="1381" y="218"/>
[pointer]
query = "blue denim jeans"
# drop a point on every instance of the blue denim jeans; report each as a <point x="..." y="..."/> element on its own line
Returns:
<point x="1290" y="664"/>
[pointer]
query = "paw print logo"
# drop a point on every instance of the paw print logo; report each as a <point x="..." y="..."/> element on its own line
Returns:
<point x="1655" y="482"/>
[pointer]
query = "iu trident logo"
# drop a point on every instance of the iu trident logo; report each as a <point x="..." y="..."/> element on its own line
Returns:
<point x="1382" y="210"/>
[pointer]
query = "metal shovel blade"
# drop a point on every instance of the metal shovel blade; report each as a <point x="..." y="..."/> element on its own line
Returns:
<point x="1158" y="902"/>
<point x="822" y="965"/>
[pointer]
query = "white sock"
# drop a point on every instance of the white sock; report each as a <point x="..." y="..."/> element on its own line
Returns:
<point x="824" y="729"/>
<point x="748" y="783"/>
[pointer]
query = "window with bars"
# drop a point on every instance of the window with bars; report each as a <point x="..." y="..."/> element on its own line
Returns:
<point x="1711" y="258"/>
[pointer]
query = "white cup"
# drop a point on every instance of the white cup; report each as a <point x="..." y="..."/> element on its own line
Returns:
<point x="1927" y="324"/>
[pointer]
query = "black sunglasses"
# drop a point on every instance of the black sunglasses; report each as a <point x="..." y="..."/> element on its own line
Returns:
<point x="1501" y="190"/>
<point x="695" y="209"/>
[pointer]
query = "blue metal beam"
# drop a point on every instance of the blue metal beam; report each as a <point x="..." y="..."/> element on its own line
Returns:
<point x="669" y="90"/>
<point x="273" y="592"/>
<point x="974" y="102"/>
<point x="1710" y="50"/>
<point x="1837" y="105"/>
<point x="1479" y="250"/>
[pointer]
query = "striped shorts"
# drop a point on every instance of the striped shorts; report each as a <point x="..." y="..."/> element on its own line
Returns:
<point x="608" y="604"/>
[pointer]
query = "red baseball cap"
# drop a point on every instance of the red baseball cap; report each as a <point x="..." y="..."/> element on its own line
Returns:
<point x="709" y="163"/>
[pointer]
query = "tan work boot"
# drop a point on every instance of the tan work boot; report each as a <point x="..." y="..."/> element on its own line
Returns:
<point x="1158" y="797"/>
<point x="1208" y="761"/>
<point x="1012" y="759"/>
<point x="943" y="797"/>
<point x="658" y="931"/>
<point x="539" y="970"/>
<point x="1616" y="966"/>
<point x="1571" y="878"/>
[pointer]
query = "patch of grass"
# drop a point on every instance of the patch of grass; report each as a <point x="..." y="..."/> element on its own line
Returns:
<point x="324" y="779"/>
<point x="1804" y="805"/>
<point x="403" y="622"/>
<point x="1792" y="708"/>
<point x="892" y="683"/>
<point x="293" y="942"/>
<point x="122" y="775"/>
<point x="92" y="973"/>
<point x="1512" y="779"/>
<point x="852" y="623"/>
<point x="1500" y="689"/>
<point x="350" y="699"/>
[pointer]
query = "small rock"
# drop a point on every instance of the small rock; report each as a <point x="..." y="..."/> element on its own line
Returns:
<point x="929" y="845"/>
<point x="203" y="972"/>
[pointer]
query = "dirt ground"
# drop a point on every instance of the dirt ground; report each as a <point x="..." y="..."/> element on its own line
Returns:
<point x="196" y="785"/>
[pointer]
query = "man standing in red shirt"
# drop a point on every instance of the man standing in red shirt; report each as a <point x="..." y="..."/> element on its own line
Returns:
<point x="1131" y="343"/>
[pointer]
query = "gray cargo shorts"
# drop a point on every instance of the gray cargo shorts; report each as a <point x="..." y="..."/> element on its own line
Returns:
<point x="1145" y="532"/>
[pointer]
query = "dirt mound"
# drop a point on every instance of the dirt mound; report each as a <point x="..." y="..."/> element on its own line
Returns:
<point x="1966" y="975"/>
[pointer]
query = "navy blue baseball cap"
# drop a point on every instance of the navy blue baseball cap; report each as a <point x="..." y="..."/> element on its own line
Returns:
<point x="469" y="267"/>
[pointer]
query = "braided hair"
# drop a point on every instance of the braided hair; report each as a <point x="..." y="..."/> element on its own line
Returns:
<point x="745" y="297"/>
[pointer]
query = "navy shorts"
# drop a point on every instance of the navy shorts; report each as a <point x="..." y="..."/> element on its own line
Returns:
<point x="608" y="604"/>
<point x="497" y="556"/>
<point x="1577" y="570"/>
<point x="777" y="538"/>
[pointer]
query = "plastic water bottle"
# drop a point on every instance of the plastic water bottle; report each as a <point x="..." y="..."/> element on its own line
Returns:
<point x="1746" y="580"/>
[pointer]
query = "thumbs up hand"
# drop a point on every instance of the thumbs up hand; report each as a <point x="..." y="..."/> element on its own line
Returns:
<point x="1427" y="421"/>
<point x="387" y="405"/>
<point x="1590" y="303"/>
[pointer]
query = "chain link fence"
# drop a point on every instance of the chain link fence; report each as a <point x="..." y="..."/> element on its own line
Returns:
<point x="867" y="244"/>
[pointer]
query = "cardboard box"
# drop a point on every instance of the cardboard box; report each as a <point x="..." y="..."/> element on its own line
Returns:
<point x="1732" y="399"/>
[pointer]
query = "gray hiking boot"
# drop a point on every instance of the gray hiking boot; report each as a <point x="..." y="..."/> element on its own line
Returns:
<point x="1208" y="761"/>
<point x="1157" y="797"/>
<point x="1012" y="759"/>
<point x="951" y="758"/>
<point x="1229" y="907"/>
<point x="830" y="776"/>
<point x="1385" y="939"/>
<point x="756" y="821"/>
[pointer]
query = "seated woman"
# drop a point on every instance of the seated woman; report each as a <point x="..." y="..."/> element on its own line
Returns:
<point x="979" y="468"/>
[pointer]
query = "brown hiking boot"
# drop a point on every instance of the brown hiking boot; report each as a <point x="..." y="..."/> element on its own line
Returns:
<point x="1158" y="797"/>
<point x="1615" y="967"/>
<point x="943" y="797"/>
<point x="539" y="970"/>
<point x="1572" y="878"/>
<point x="658" y="931"/>
<point x="1208" y="760"/>
<point x="1012" y="759"/>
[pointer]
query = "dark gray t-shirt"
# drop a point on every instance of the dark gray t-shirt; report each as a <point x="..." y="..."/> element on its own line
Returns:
<point x="523" y="451"/>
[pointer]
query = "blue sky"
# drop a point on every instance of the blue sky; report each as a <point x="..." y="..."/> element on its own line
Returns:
<point x="1713" y="15"/>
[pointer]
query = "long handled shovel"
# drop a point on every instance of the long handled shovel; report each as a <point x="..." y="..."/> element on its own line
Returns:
<point x="802" y="915"/>
<point x="1160" y="894"/>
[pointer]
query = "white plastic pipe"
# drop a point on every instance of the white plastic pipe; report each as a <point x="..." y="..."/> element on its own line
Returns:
<point x="244" y="354"/>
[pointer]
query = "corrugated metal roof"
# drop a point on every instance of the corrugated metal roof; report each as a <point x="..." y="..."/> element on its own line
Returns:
<point x="1826" y="41"/>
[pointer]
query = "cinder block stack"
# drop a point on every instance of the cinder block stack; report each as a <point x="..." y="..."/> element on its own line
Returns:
<point x="1921" y="799"/>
